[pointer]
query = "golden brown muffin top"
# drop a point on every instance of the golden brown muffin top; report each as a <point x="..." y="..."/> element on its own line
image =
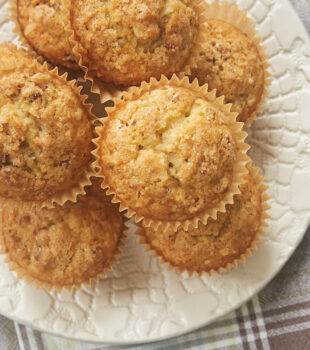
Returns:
<point x="45" y="133"/>
<point x="65" y="245"/>
<point x="127" y="42"/>
<point x="230" y="63"/>
<point x="168" y="155"/>
<point x="219" y="242"/>
<point x="45" y="25"/>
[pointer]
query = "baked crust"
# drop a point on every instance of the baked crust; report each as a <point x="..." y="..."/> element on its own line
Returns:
<point x="127" y="42"/>
<point x="231" y="64"/>
<point x="63" y="246"/>
<point x="45" y="130"/>
<point x="167" y="155"/>
<point x="44" y="24"/>
<point x="219" y="242"/>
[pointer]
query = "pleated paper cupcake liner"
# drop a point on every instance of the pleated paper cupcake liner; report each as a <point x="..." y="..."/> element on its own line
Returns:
<point x="108" y="91"/>
<point x="72" y="66"/>
<point x="199" y="40"/>
<point x="29" y="278"/>
<point x="156" y="253"/>
<point x="30" y="64"/>
<point x="232" y="14"/>
<point x="230" y="118"/>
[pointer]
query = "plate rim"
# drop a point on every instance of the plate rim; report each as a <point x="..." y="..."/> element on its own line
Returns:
<point x="170" y="336"/>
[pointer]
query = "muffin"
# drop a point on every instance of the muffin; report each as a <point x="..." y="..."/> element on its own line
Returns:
<point x="62" y="246"/>
<point x="230" y="63"/>
<point x="127" y="42"/>
<point x="45" y="131"/>
<point x="170" y="151"/>
<point x="221" y="243"/>
<point x="45" y="26"/>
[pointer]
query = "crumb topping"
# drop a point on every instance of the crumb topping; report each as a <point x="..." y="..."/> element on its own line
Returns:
<point x="45" y="136"/>
<point x="130" y="41"/>
<point x="44" y="24"/>
<point x="219" y="242"/>
<point x="231" y="64"/>
<point x="65" y="245"/>
<point x="168" y="155"/>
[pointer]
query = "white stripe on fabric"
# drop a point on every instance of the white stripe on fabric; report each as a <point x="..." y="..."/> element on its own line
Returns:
<point x="19" y="336"/>
<point x="31" y="339"/>
<point x="220" y="344"/>
<point x="287" y="315"/>
<point x="271" y="302"/>
<point x="260" y="323"/>
<point x="289" y="329"/>
<point x="232" y="328"/>
<point x="238" y="339"/>
<point x="248" y="327"/>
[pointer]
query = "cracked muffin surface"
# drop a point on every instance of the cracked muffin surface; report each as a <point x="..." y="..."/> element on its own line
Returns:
<point x="65" y="245"/>
<point x="45" y="24"/>
<point x="45" y="131"/>
<point x="167" y="154"/>
<point x="217" y="243"/>
<point x="230" y="62"/>
<point x="126" y="42"/>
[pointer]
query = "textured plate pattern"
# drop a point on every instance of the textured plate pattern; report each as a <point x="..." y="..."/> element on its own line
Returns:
<point x="141" y="300"/>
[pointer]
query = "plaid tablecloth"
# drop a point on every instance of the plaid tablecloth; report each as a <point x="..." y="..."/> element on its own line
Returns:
<point x="278" y="318"/>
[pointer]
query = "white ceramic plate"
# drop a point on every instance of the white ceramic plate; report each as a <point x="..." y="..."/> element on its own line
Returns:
<point x="141" y="301"/>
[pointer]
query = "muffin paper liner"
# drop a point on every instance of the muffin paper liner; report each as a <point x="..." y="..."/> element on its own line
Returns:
<point x="22" y="273"/>
<point x="254" y="172"/>
<point x="77" y="189"/>
<point x="108" y="91"/>
<point x="73" y="191"/>
<point x="230" y="118"/>
<point x="232" y="14"/>
<point x="73" y="69"/>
